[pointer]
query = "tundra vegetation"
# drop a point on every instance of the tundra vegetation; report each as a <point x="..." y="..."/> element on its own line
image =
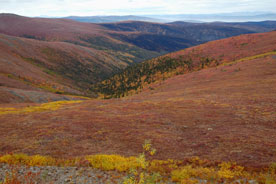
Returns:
<point x="144" y="170"/>
<point x="136" y="77"/>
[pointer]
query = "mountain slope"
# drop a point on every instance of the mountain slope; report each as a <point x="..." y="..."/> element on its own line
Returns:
<point x="224" y="113"/>
<point x="142" y="40"/>
<point x="262" y="26"/>
<point x="211" y="54"/>
<point x="68" y="57"/>
<point x="64" y="30"/>
<point x="56" y="67"/>
<point x="171" y="37"/>
<point x="57" y="56"/>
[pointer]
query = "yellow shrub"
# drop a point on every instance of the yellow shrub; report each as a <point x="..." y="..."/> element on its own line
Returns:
<point x="141" y="160"/>
<point x="129" y="180"/>
<point x="188" y="172"/>
<point x="226" y="174"/>
<point x="112" y="162"/>
<point x="162" y="166"/>
<point x="204" y="173"/>
<point x="38" y="160"/>
<point x="181" y="174"/>
<point x="189" y="181"/>
<point x="147" y="145"/>
<point x="144" y="171"/>
<point x="229" y="171"/>
<point x="23" y="159"/>
<point x="14" y="159"/>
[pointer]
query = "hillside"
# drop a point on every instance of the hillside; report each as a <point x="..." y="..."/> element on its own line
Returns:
<point x="78" y="33"/>
<point x="262" y="26"/>
<point x="171" y="37"/>
<point x="131" y="41"/>
<point x="218" y="112"/>
<point x="211" y="54"/>
<point x="29" y="67"/>
<point x="44" y="59"/>
<point x="41" y="58"/>
<point x="142" y="40"/>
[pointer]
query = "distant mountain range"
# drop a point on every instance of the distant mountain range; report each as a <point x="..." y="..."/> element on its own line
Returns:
<point x="107" y="19"/>
<point x="195" y="18"/>
<point x="224" y="17"/>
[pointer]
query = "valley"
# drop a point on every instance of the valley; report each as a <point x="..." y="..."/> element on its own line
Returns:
<point x="88" y="95"/>
<point x="59" y="56"/>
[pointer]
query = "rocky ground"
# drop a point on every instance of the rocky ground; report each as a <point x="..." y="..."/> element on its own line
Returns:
<point x="70" y="175"/>
<point x="59" y="175"/>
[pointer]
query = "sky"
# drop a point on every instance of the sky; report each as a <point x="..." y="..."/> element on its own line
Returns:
<point x="59" y="8"/>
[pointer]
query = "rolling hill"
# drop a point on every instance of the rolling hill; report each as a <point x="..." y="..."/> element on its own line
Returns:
<point x="56" y="67"/>
<point x="142" y="40"/>
<point x="222" y="108"/>
<point x="57" y="56"/>
<point x="171" y="37"/>
<point x="64" y="30"/>
<point x="131" y="41"/>
<point x="178" y="35"/>
<point x="211" y="54"/>
<point x="44" y="59"/>
<point x="262" y="26"/>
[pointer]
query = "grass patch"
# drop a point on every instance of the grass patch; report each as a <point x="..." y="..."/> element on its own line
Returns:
<point x="51" y="106"/>
<point x="249" y="58"/>
<point x="257" y="56"/>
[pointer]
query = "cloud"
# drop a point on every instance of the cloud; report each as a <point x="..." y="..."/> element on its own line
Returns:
<point x="119" y="7"/>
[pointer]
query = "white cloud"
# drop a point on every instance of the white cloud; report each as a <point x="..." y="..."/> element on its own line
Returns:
<point x="119" y="7"/>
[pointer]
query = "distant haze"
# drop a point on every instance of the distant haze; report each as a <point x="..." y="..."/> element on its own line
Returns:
<point x="62" y="8"/>
<point x="195" y="18"/>
<point x="224" y="17"/>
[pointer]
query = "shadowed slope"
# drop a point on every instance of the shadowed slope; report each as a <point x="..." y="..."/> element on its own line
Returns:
<point x="171" y="37"/>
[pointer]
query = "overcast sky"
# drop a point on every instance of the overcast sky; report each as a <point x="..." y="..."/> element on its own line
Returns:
<point x="132" y="7"/>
